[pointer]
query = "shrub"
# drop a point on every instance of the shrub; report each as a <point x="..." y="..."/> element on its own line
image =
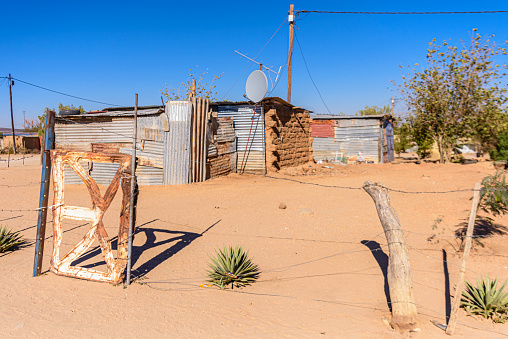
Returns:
<point x="501" y="150"/>
<point x="486" y="299"/>
<point x="9" y="240"/>
<point x="494" y="194"/>
<point x="232" y="266"/>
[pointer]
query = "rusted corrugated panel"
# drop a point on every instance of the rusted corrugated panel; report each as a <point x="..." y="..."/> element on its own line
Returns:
<point x="177" y="143"/>
<point x="108" y="147"/>
<point x="322" y="129"/>
<point x="250" y="132"/>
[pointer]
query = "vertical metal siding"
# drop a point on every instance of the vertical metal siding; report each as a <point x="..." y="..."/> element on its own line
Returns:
<point x="250" y="149"/>
<point x="177" y="143"/>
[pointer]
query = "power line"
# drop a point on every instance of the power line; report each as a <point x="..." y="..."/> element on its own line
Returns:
<point x="307" y="67"/>
<point x="246" y="68"/>
<point x="402" y="13"/>
<point x="69" y="95"/>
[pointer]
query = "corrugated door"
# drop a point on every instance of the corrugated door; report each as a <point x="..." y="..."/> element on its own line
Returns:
<point x="177" y="143"/>
<point x="250" y="134"/>
<point x="355" y="139"/>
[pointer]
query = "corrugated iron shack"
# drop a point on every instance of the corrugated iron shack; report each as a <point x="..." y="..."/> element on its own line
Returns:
<point x="239" y="137"/>
<point x="336" y="137"/>
<point x="269" y="136"/>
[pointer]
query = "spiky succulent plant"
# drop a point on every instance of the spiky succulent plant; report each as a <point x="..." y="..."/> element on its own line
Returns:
<point x="9" y="240"/>
<point x="486" y="299"/>
<point x="232" y="266"/>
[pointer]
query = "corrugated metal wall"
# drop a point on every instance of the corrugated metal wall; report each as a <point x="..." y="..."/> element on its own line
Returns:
<point x="359" y="135"/>
<point x="351" y="136"/>
<point x="177" y="143"/>
<point x="78" y="135"/>
<point x="325" y="149"/>
<point x="250" y="149"/>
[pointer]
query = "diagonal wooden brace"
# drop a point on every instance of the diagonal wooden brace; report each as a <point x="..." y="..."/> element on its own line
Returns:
<point x="100" y="204"/>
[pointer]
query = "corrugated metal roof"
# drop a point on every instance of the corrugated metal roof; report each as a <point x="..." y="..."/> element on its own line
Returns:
<point x="339" y="117"/>
<point x="118" y="113"/>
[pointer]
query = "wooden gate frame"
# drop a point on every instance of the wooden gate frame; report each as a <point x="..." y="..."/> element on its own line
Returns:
<point x="115" y="267"/>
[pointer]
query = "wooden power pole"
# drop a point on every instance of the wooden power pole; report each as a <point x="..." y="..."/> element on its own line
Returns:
<point x="12" y="116"/>
<point x="291" y="20"/>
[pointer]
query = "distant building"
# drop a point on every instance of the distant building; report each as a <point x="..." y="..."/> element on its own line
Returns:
<point x="29" y="141"/>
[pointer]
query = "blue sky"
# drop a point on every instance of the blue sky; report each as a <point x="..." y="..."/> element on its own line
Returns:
<point x="107" y="51"/>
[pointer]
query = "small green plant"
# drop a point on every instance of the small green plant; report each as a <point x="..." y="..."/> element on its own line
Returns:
<point x="232" y="266"/>
<point x="9" y="240"/>
<point x="486" y="299"/>
<point x="494" y="194"/>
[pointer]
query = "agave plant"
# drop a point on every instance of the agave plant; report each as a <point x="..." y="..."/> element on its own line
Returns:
<point x="232" y="266"/>
<point x="486" y="299"/>
<point x="9" y="240"/>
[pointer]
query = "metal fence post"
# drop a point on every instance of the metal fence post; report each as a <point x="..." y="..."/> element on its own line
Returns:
<point x="43" y="200"/>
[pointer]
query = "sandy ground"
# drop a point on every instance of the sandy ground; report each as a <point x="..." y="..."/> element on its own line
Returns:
<point x="318" y="280"/>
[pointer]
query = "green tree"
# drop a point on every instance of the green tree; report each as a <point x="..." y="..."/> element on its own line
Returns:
<point x="42" y="118"/>
<point x="203" y="88"/>
<point x="374" y="110"/>
<point x="459" y="94"/>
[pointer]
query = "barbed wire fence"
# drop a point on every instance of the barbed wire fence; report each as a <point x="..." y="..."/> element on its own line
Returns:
<point x="195" y="283"/>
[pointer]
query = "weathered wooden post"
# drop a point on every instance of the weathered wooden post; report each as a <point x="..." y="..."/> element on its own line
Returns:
<point x="400" y="282"/>
<point x="467" y="249"/>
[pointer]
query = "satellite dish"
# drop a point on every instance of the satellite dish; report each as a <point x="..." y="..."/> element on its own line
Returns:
<point x="256" y="86"/>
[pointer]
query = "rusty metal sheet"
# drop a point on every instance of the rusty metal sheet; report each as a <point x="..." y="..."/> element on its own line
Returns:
<point x="322" y="129"/>
<point x="100" y="203"/>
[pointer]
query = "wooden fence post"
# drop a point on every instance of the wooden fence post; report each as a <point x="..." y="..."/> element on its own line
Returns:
<point x="400" y="282"/>
<point x="467" y="249"/>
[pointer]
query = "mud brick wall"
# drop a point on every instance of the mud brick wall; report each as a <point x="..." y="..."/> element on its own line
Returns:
<point x="288" y="140"/>
<point x="223" y="163"/>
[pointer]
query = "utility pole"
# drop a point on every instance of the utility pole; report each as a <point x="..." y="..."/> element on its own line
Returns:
<point x="393" y="106"/>
<point x="12" y="116"/>
<point x="291" y="20"/>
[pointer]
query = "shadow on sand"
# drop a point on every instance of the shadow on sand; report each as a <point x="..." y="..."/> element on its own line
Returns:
<point x="382" y="261"/>
<point x="177" y="241"/>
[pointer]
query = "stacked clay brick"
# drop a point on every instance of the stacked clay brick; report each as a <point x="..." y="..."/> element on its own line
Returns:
<point x="288" y="140"/>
